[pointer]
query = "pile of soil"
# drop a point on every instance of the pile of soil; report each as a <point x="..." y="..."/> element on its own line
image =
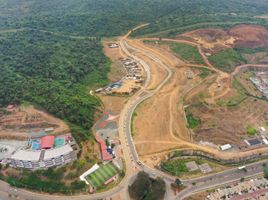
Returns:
<point x="247" y="36"/>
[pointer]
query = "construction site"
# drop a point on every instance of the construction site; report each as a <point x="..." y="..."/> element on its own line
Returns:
<point x="197" y="111"/>
<point x="23" y="122"/>
<point x="132" y="74"/>
<point x="33" y="139"/>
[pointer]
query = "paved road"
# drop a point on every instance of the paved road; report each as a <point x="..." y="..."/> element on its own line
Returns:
<point x="131" y="156"/>
<point x="222" y="178"/>
<point x="197" y="184"/>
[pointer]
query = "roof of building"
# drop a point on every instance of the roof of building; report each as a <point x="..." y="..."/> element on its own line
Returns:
<point x="104" y="154"/>
<point x="254" y="141"/>
<point x="47" y="142"/>
<point x="225" y="147"/>
<point x="57" y="152"/>
<point x="26" y="155"/>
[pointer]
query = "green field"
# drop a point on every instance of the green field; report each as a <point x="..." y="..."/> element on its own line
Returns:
<point x="192" y="121"/>
<point x="102" y="174"/>
<point x="227" y="59"/>
<point x="187" y="52"/>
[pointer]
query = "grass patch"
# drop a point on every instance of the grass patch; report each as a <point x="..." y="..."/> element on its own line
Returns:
<point x="251" y="130"/>
<point x="192" y="121"/>
<point x="251" y="50"/>
<point x="239" y="97"/>
<point x="204" y="72"/>
<point x="132" y="122"/>
<point x="175" y="167"/>
<point x="227" y="59"/>
<point x="183" y="51"/>
<point x="186" y="52"/>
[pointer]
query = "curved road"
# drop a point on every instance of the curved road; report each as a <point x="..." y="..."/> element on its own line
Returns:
<point x="131" y="157"/>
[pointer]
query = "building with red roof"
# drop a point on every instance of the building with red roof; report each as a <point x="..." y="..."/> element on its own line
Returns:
<point x="47" y="142"/>
<point x="103" y="149"/>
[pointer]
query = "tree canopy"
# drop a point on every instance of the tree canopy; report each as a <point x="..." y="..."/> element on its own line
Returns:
<point x="146" y="188"/>
<point x="50" y="71"/>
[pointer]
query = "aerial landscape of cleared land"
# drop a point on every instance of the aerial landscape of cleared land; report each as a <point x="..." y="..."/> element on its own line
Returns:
<point x="133" y="99"/>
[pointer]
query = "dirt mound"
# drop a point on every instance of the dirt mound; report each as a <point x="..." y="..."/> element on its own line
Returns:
<point x="211" y="35"/>
<point x="26" y="119"/>
<point x="250" y="36"/>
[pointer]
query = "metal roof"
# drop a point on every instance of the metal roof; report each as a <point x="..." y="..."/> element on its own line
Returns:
<point x="47" y="142"/>
<point x="26" y="155"/>
<point x="57" y="152"/>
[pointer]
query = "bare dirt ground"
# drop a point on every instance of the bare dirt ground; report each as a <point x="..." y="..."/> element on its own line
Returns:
<point x="157" y="72"/>
<point x="198" y="196"/>
<point x="250" y="36"/>
<point x="113" y="103"/>
<point x="157" y="116"/>
<point x="222" y="125"/>
<point x="28" y="119"/>
<point x="117" y="70"/>
<point x="160" y="124"/>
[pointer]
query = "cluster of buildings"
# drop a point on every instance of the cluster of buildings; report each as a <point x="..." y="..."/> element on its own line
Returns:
<point x="106" y="134"/>
<point x="45" y="152"/>
<point x="252" y="189"/>
<point x="260" y="80"/>
<point x="134" y="71"/>
<point x="127" y="84"/>
<point x="260" y="139"/>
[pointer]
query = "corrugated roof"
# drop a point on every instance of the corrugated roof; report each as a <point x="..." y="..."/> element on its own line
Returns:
<point x="26" y="155"/>
<point x="54" y="153"/>
<point x="47" y="142"/>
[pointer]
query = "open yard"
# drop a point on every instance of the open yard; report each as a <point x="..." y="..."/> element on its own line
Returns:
<point x="101" y="175"/>
<point x="231" y="119"/>
<point x="27" y="121"/>
<point x="178" y="167"/>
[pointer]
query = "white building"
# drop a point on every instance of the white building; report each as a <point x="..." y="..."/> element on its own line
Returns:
<point x="225" y="147"/>
<point x="42" y="158"/>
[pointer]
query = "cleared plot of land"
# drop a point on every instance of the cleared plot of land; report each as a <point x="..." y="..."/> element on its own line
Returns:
<point x="185" y="52"/>
<point x="104" y="173"/>
<point x="157" y="72"/>
<point x="24" y="121"/>
<point x="117" y="70"/>
<point x="246" y="36"/>
<point x="178" y="167"/>
<point x="228" y="119"/>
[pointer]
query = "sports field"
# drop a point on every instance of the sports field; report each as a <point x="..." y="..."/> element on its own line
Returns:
<point x="105" y="172"/>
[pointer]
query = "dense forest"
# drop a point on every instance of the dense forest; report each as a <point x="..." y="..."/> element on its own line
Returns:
<point x="50" y="71"/>
<point x="43" y="63"/>
<point x="114" y="17"/>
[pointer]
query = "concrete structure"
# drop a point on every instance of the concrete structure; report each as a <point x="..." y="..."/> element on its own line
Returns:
<point x="192" y="166"/>
<point x="42" y="158"/>
<point x="25" y="159"/>
<point x="265" y="141"/>
<point x="58" y="156"/>
<point x="225" y="147"/>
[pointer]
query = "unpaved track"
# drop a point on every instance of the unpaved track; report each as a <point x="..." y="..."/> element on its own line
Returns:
<point x="182" y="143"/>
<point x="221" y="75"/>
